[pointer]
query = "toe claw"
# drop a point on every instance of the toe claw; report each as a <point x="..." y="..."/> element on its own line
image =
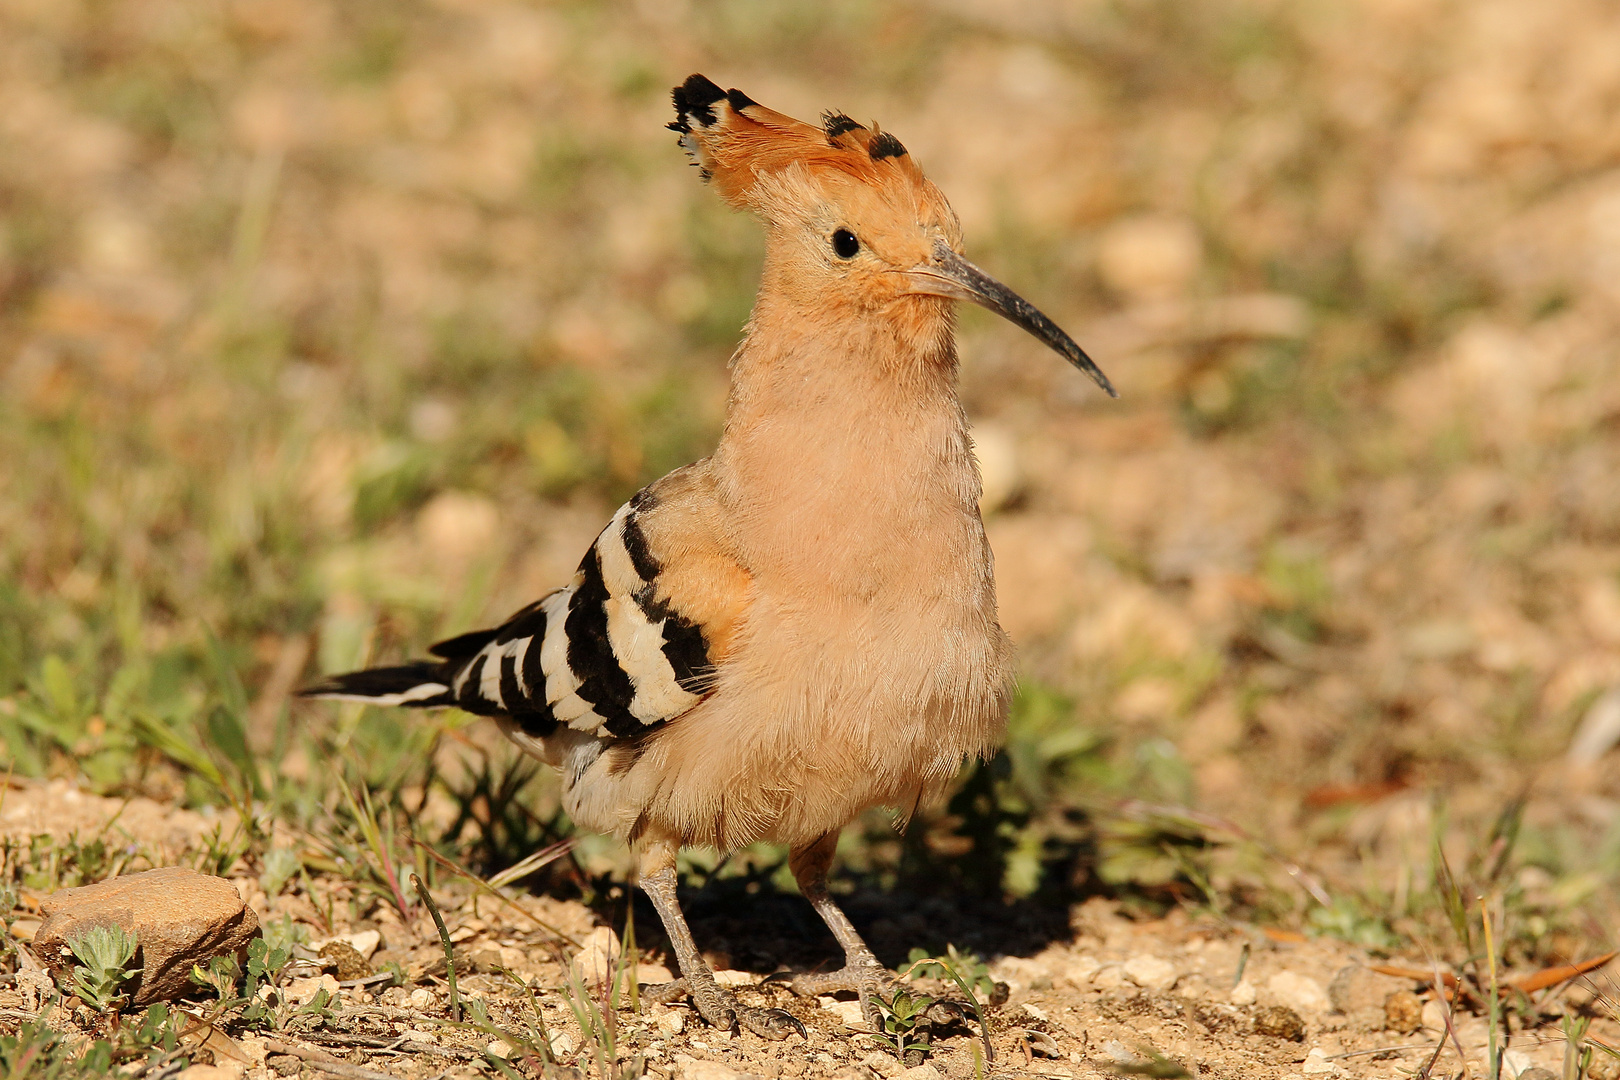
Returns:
<point x="797" y="1024"/>
<point x="774" y="1024"/>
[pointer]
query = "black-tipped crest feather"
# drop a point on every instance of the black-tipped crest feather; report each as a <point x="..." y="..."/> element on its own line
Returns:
<point x="884" y="145"/>
<point x="837" y="123"/>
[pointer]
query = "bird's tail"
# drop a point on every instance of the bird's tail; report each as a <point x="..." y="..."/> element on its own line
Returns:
<point x="424" y="684"/>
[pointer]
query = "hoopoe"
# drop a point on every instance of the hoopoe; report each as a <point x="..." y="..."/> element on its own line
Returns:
<point x="767" y="642"/>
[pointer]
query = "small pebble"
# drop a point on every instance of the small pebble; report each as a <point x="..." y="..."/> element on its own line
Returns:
<point x="1604" y="1067"/>
<point x="350" y="964"/>
<point x="422" y="998"/>
<point x="1299" y="992"/>
<point x="849" y="1012"/>
<point x="708" y="1070"/>
<point x="883" y="1064"/>
<point x="1279" y="1022"/>
<point x="303" y="991"/>
<point x="1109" y="977"/>
<point x="1080" y="970"/>
<point x="920" y="1072"/>
<point x="1243" y="993"/>
<point x="1403" y="1012"/>
<point x="1151" y="973"/>
<point x="1317" y="1064"/>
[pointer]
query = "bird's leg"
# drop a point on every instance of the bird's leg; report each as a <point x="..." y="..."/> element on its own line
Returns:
<point x="861" y="971"/>
<point x="715" y="1005"/>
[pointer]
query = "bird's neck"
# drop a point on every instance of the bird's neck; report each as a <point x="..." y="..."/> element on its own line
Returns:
<point x="845" y="449"/>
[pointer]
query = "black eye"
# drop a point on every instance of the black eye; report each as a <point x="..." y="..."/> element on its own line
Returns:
<point x="845" y="244"/>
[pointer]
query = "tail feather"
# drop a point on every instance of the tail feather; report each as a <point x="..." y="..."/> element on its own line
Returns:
<point x="424" y="684"/>
<point x="464" y="646"/>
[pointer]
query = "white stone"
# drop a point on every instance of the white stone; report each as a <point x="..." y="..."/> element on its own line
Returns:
<point x="303" y="991"/>
<point x="693" y="1069"/>
<point x="1515" y="1062"/>
<point x="1299" y="992"/>
<point x="1080" y="971"/>
<point x="1317" y="1064"/>
<point x="599" y="956"/>
<point x="210" y="1072"/>
<point x="883" y="1064"/>
<point x="735" y="978"/>
<point x="1109" y="977"/>
<point x="847" y="1011"/>
<point x="422" y="998"/>
<point x="921" y="1072"/>
<point x="562" y="1044"/>
<point x="1119" y="1052"/>
<point x="653" y="973"/>
<point x="673" y="1022"/>
<point x="1151" y="973"/>
<point x="499" y="1048"/>
<point x="1243" y="993"/>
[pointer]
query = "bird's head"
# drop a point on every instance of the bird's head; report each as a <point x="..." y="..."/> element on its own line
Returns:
<point x="852" y="220"/>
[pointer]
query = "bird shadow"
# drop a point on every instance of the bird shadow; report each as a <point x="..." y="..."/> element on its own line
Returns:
<point x="752" y="925"/>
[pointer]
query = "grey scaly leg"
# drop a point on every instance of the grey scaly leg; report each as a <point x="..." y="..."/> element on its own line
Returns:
<point x="861" y="971"/>
<point x="718" y="1007"/>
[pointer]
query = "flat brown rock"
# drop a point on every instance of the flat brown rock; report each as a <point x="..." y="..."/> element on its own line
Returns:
<point x="179" y="917"/>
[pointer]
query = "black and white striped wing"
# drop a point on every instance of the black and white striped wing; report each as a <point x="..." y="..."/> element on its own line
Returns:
<point x="602" y="655"/>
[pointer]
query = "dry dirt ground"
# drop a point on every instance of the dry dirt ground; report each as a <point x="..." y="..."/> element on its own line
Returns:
<point x="1088" y="992"/>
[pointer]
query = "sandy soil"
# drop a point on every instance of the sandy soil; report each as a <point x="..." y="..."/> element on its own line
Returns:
<point x="1088" y="992"/>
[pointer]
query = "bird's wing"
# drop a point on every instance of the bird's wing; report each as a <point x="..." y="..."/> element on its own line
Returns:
<point x="631" y="643"/>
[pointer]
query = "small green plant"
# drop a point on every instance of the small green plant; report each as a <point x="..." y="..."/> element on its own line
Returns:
<point x="221" y="976"/>
<point x="444" y="940"/>
<point x="599" y="1021"/>
<point x="1154" y="1064"/>
<point x="266" y="959"/>
<point x="312" y="1014"/>
<point x="8" y="915"/>
<point x="539" y="1051"/>
<point x="38" y="1052"/>
<point x="377" y="831"/>
<point x="103" y="954"/>
<point x="158" y="1031"/>
<point x="1577" y="1052"/>
<point x="901" y="1013"/>
<point x="969" y="974"/>
<point x="968" y="966"/>
<point x="279" y="866"/>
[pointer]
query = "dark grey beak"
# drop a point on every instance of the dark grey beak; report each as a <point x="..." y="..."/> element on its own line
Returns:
<point x="948" y="274"/>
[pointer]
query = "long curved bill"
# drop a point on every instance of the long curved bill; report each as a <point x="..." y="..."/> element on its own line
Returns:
<point x="948" y="274"/>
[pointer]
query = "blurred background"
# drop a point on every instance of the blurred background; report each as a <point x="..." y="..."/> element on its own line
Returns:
<point x="331" y="329"/>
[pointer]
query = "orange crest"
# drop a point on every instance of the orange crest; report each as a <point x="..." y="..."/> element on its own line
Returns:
<point x="737" y="142"/>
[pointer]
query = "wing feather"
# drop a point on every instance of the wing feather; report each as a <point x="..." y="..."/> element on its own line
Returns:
<point x="630" y="644"/>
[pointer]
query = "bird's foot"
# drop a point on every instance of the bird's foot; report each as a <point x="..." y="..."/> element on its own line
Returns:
<point x="722" y="1010"/>
<point x="869" y="980"/>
